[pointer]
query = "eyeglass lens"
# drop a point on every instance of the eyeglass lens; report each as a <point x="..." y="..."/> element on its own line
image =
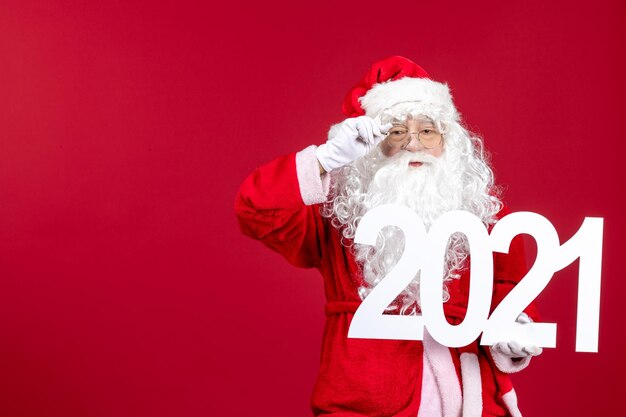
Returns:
<point x="428" y="137"/>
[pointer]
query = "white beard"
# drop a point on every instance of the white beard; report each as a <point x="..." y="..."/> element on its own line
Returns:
<point x="438" y="186"/>
<point x="429" y="190"/>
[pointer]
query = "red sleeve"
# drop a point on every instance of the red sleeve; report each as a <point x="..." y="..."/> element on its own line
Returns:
<point x="270" y="208"/>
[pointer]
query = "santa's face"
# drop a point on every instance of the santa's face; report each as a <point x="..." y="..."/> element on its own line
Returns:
<point x="418" y="135"/>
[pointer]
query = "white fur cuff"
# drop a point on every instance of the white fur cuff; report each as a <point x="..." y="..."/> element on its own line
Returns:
<point x="507" y="364"/>
<point x="313" y="187"/>
<point x="510" y="399"/>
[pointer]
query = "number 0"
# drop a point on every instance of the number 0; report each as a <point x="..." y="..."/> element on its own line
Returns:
<point x="431" y="284"/>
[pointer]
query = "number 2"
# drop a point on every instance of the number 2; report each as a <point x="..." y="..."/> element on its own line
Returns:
<point x="369" y="322"/>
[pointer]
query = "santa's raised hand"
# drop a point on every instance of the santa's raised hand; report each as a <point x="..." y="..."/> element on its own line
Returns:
<point x="350" y="140"/>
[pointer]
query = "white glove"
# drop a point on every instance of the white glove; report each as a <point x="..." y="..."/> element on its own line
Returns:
<point x="515" y="349"/>
<point x="350" y="140"/>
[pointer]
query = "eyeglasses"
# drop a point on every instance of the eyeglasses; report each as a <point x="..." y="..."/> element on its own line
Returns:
<point x="400" y="136"/>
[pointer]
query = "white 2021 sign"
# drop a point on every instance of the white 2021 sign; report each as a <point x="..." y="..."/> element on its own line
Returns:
<point x="426" y="250"/>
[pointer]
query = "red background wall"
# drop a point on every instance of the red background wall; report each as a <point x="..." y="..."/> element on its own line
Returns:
<point x="126" y="288"/>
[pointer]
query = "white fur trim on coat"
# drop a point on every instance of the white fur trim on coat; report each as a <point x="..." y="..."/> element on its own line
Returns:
<point x="445" y="375"/>
<point x="472" y="385"/>
<point x="430" y="406"/>
<point x="391" y="93"/>
<point x="313" y="188"/>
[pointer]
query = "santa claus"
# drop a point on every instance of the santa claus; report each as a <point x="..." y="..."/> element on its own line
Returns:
<point x="402" y="143"/>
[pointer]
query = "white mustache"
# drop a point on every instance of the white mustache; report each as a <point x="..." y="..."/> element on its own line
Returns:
<point x="424" y="158"/>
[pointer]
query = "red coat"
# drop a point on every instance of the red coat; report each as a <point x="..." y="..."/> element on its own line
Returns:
<point x="366" y="377"/>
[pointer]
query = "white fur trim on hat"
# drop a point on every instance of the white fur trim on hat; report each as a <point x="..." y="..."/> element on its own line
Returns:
<point x="427" y="92"/>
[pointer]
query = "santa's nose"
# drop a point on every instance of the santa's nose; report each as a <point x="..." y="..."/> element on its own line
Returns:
<point x="414" y="144"/>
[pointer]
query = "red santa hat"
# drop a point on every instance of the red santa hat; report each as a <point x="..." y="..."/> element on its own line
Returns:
<point x="396" y="80"/>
